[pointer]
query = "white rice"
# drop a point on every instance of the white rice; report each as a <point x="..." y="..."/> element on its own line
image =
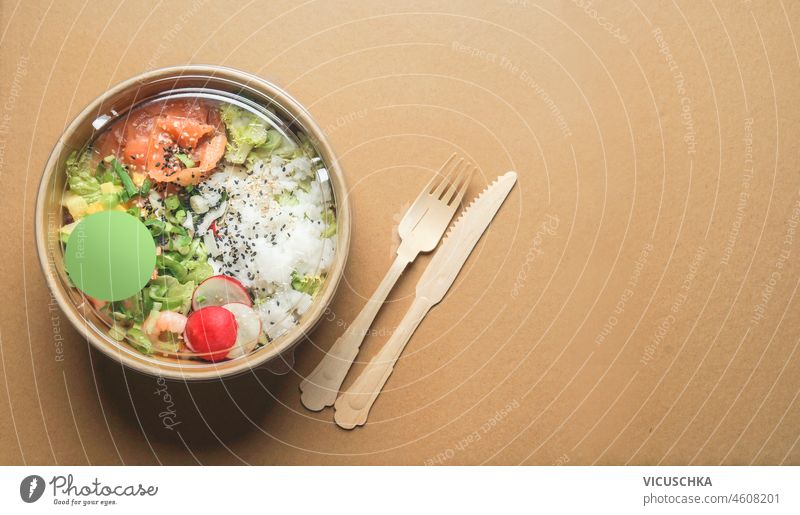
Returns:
<point x="261" y="241"/>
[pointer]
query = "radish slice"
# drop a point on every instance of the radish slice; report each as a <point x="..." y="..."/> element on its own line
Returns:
<point x="218" y="291"/>
<point x="249" y="329"/>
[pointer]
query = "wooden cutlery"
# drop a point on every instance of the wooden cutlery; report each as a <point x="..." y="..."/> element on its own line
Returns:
<point x="353" y="406"/>
<point x="420" y="231"/>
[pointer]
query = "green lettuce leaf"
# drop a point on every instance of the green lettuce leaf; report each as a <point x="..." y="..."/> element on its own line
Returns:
<point x="171" y="294"/>
<point x="199" y="271"/>
<point x="245" y="132"/>
<point x="309" y="284"/>
<point x="329" y="218"/>
<point x="80" y="177"/>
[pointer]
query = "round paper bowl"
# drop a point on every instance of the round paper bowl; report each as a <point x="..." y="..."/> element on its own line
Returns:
<point x="276" y="356"/>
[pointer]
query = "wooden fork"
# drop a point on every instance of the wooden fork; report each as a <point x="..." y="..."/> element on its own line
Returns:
<point x="420" y="231"/>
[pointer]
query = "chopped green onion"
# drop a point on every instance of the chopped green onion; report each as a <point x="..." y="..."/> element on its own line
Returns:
<point x="166" y="262"/>
<point x="145" y="187"/>
<point x="180" y="243"/>
<point x="138" y="339"/>
<point x="130" y="188"/>
<point x="172" y="202"/>
<point x="157" y="227"/>
<point x="173" y="229"/>
<point x="186" y="160"/>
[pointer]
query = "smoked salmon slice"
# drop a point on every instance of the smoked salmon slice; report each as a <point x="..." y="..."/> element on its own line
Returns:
<point x="207" y="155"/>
<point x="165" y="139"/>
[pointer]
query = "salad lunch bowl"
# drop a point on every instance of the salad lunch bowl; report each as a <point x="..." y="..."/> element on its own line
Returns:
<point x="243" y="208"/>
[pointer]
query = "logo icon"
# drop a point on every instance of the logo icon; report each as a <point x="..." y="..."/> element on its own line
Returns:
<point x="31" y="488"/>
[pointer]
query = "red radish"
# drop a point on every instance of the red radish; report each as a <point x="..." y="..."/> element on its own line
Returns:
<point x="211" y="332"/>
<point x="218" y="291"/>
<point x="249" y="324"/>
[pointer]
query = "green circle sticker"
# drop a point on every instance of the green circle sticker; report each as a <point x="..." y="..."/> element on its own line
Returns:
<point x="110" y="255"/>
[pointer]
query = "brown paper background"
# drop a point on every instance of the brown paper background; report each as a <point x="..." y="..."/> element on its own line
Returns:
<point x="599" y="124"/>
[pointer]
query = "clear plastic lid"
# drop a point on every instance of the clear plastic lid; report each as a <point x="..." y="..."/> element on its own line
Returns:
<point x="241" y="211"/>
